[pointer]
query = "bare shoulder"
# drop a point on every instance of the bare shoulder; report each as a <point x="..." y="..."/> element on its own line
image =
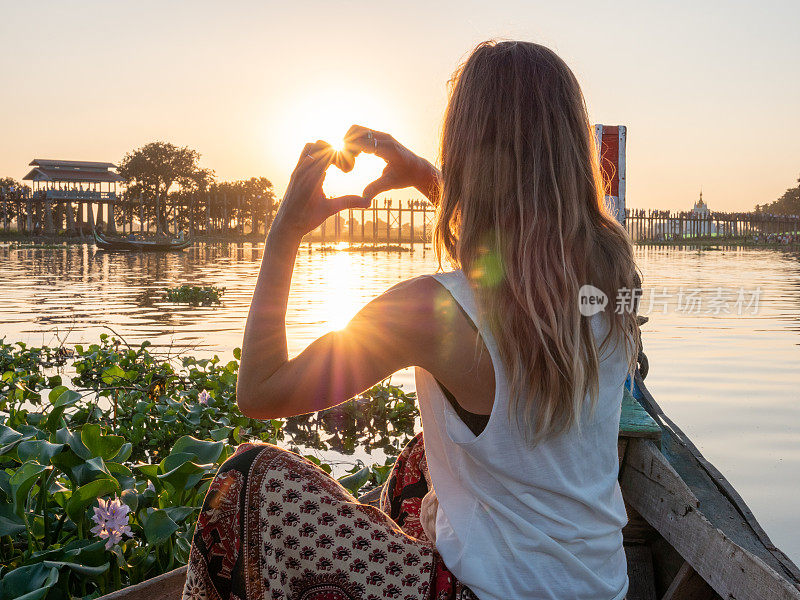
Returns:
<point x="412" y="312"/>
<point x="413" y="300"/>
<point x="423" y="297"/>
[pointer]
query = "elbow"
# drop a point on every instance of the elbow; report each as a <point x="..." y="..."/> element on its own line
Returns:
<point x="248" y="393"/>
<point x="256" y="403"/>
<point x="246" y="403"/>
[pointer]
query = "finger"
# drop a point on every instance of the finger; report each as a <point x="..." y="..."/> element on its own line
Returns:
<point x="311" y="170"/>
<point x="344" y="160"/>
<point x="344" y="202"/>
<point x="384" y="183"/>
<point x="305" y="155"/>
<point x="314" y="152"/>
<point x="362" y="139"/>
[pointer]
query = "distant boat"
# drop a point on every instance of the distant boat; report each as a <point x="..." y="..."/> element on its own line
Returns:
<point x="133" y="245"/>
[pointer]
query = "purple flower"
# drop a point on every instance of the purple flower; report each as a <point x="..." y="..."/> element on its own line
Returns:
<point x="203" y="397"/>
<point x="111" y="517"/>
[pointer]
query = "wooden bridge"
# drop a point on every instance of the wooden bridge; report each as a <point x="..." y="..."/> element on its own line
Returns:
<point x="76" y="213"/>
<point x="670" y="226"/>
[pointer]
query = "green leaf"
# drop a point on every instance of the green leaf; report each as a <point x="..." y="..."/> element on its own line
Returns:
<point x="158" y="526"/>
<point x="86" y="570"/>
<point x="8" y="435"/>
<point x="203" y="450"/>
<point x="81" y="471"/>
<point x="21" y="483"/>
<point x="86" y="494"/>
<point x="63" y="396"/>
<point x="180" y="472"/>
<point x="150" y="471"/>
<point x="40" y="450"/>
<point x="9" y="438"/>
<point x="113" y="375"/>
<point x="122" y="474"/>
<point x="10" y="523"/>
<point x="381" y="474"/>
<point x="100" y="444"/>
<point x="86" y="557"/>
<point x="4" y="485"/>
<point x="65" y="436"/>
<point x="220" y="434"/>
<point x="353" y="483"/>
<point x="179" y="513"/>
<point x="124" y="453"/>
<point x="131" y="498"/>
<point x="31" y="582"/>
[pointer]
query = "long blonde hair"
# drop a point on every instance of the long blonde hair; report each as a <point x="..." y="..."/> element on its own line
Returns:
<point x="522" y="212"/>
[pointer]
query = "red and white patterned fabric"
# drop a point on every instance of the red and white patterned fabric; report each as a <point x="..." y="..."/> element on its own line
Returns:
<point x="274" y="526"/>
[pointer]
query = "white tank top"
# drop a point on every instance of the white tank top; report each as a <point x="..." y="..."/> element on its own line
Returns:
<point x="516" y="521"/>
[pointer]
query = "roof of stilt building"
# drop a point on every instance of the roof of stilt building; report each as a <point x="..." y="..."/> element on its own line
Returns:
<point x="72" y="170"/>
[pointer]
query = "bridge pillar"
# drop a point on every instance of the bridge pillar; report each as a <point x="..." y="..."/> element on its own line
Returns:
<point x="48" y="218"/>
<point x="111" y="226"/>
<point x="70" y="218"/>
<point x="28" y="216"/>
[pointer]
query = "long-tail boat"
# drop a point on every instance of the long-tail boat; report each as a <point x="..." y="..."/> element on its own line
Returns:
<point x="134" y="245"/>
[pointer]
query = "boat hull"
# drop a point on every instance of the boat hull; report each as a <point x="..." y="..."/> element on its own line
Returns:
<point x="121" y="245"/>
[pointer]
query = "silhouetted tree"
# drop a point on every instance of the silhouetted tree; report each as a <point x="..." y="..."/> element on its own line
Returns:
<point x="154" y="168"/>
<point x="9" y="184"/>
<point x="10" y="190"/>
<point x="788" y="204"/>
<point x="248" y="199"/>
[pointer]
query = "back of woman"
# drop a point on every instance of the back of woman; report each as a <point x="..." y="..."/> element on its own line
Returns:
<point x="530" y="507"/>
<point x="520" y="439"/>
<point x="516" y="521"/>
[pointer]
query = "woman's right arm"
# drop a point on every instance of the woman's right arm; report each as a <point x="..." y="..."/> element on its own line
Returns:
<point x="403" y="167"/>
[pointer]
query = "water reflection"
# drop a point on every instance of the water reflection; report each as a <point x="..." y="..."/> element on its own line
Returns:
<point x="364" y="426"/>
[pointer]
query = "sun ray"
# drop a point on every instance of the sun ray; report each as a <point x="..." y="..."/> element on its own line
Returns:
<point x="326" y="112"/>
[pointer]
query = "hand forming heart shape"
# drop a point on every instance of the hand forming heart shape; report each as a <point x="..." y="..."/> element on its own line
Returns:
<point x="403" y="167"/>
<point x="305" y="206"/>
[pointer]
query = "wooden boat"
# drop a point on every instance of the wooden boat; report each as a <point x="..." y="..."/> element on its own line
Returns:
<point x="690" y="536"/>
<point x="131" y="245"/>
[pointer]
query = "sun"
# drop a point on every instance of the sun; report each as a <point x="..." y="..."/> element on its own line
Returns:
<point x="328" y="115"/>
<point x="325" y="112"/>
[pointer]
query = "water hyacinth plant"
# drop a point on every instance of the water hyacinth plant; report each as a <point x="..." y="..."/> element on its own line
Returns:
<point x="195" y="294"/>
<point x="111" y="518"/>
<point x="107" y="451"/>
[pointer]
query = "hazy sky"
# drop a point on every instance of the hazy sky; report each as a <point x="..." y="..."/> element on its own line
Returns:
<point x="710" y="91"/>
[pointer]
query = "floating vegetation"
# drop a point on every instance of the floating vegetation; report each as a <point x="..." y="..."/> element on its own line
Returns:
<point x="102" y="474"/>
<point x="195" y="295"/>
<point x="34" y="246"/>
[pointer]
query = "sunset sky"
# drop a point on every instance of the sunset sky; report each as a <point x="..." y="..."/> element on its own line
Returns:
<point x="710" y="92"/>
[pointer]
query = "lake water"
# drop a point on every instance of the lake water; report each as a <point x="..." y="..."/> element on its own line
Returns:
<point x="723" y="338"/>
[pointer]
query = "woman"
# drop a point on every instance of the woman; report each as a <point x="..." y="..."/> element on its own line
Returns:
<point x="519" y="393"/>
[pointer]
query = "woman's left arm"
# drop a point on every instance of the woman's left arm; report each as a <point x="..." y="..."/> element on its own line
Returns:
<point x="383" y="337"/>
